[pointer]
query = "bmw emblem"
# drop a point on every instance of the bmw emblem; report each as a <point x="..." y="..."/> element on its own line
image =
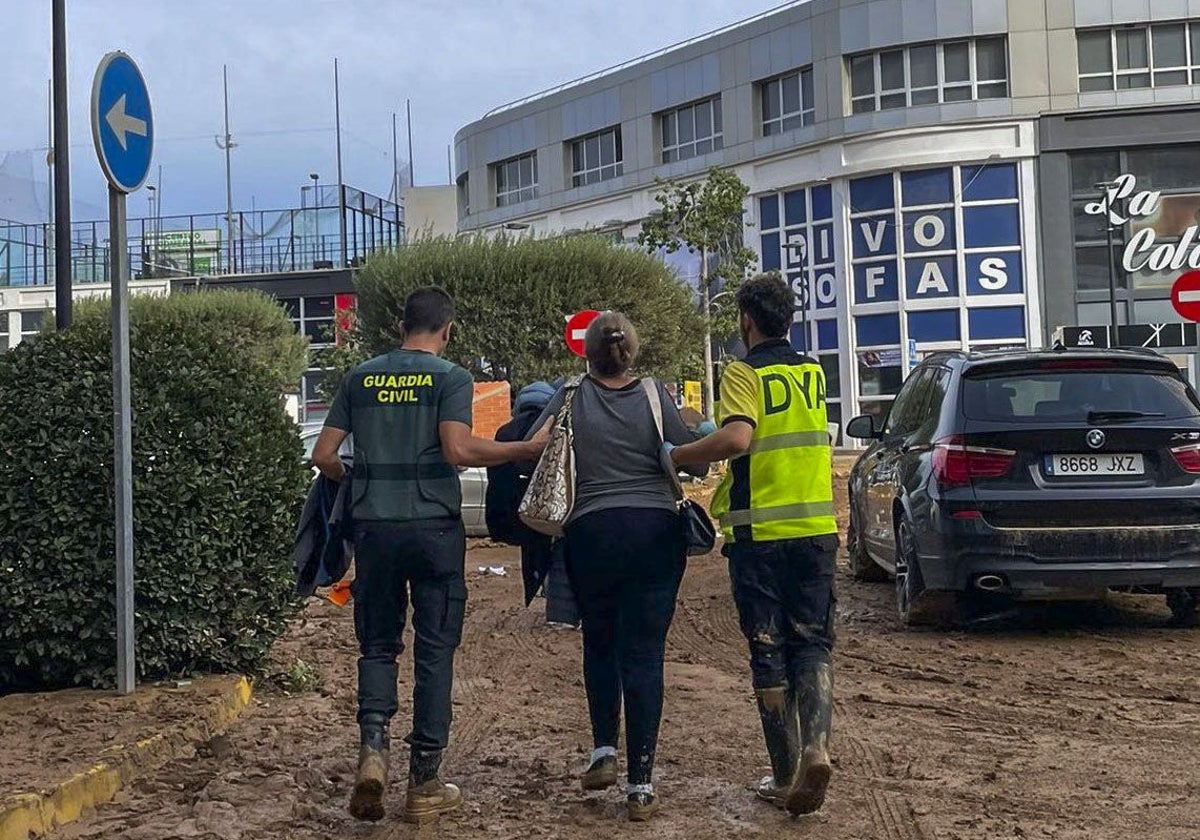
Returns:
<point x="1096" y="438"/>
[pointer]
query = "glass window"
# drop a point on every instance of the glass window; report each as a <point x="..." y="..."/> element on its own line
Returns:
<point x="862" y="76"/>
<point x="596" y="158"/>
<point x="891" y="70"/>
<point x="787" y="102"/>
<point x="1091" y="269"/>
<point x="692" y="130"/>
<point x="31" y="322"/>
<point x="876" y="379"/>
<point x="938" y="385"/>
<point x="923" y="66"/>
<point x="1177" y="167"/>
<point x="1070" y="396"/>
<point x="1170" y="45"/>
<point x="991" y="60"/>
<point x="516" y="180"/>
<point x="831" y="364"/>
<point x="3" y="331"/>
<point x="875" y="408"/>
<point x="1132" y="53"/>
<point x="909" y="408"/>
<point x="1095" y="51"/>
<point x="956" y="60"/>
<point x="1091" y="168"/>
<point x="771" y="104"/>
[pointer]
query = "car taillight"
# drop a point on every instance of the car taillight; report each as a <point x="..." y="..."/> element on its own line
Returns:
<point x="956" y="463"/>
<point x="1188" y="457"/>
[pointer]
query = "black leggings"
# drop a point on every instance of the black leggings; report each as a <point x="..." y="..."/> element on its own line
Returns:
<point x="626" y="565"/>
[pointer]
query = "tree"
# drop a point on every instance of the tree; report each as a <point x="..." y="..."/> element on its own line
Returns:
<point x="513" y="296"/>
<point x="706" y="217"/>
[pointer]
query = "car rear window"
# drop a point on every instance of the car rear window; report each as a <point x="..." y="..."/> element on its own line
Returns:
<point x="1037" y="396"/>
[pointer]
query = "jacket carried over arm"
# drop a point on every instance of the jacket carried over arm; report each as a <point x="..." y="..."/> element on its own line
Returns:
<point x="324" y="540"/>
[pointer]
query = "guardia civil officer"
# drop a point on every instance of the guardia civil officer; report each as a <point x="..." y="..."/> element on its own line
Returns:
<point x="776" y="510"/>
<point x="409" y="412"/>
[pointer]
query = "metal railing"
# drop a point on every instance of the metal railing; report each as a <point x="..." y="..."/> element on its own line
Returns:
<point x="262" y="241"/>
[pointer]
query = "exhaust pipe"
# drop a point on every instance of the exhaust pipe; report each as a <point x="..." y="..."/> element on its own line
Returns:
<point x="989" y="583"/>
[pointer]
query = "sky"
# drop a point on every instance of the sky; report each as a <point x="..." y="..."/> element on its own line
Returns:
<point x="455" y="60"/>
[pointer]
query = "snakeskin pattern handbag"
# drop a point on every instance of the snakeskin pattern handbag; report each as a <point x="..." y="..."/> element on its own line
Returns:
<point x="551" y="495"/>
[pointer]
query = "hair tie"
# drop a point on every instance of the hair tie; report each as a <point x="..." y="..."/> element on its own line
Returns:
<point x="614" y="336"/>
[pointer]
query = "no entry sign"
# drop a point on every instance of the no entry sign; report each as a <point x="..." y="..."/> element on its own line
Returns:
<point x="1185" y="296"/>
<point x="577" y="326"/>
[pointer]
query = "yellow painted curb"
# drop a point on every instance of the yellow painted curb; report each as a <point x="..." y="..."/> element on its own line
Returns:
<point x="28" y="815"/>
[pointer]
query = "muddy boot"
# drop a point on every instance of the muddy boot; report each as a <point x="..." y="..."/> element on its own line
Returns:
<point x="642" y="804"/>
<point x="370" y="784"/>
<point x="782" y="733"/>
<point x="602" y="772"/>
<point x="814" y="699"/>
<point x="428" y="796"/>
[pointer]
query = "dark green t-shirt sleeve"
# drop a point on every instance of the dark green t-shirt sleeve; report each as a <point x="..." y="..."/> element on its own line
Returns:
<point x="457" y="398"/>
<point x="339" y="412"/>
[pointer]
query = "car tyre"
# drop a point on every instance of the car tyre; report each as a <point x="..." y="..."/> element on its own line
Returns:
<point x="916" y="606"/>
<point x="862" y="567"/>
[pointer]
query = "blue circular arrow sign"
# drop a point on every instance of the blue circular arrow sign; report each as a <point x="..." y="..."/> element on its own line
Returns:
<point x="122" y="124"/>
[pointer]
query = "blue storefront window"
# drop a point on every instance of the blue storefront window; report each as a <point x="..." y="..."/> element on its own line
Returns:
<point x="996" y="323"/>
<point x="927" y="186"/>
<point x="770" y="252"/>
<point x="877" y="330"/>
<point x="931" y="277"/>
<point x="876" y="282"/>
<point x="939" y="325"/>
<point x="870" y="194"/>
<point x="795" y="209"/>
<point x="989" y="183"/>
<point x="822" y="202"/>
<point x="874" y="237"/>
<point x="929" y="230"/>
<point x="995" y="274"/>
<point x="827" y="334"/>
<point x="992" y="225"/>
<point x="768" y="212"/>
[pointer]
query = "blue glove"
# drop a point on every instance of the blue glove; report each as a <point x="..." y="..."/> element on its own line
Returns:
<point x="706" y="428"/>
<point x="668" y="448"/>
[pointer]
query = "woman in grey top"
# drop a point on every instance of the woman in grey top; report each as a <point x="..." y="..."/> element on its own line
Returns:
<point x="625" y="554"/>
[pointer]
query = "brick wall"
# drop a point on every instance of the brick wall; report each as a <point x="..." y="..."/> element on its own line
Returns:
<point x="493" y="407"/>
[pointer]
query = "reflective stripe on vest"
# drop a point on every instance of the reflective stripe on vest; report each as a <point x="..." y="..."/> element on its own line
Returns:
<point x="782" y="488"/>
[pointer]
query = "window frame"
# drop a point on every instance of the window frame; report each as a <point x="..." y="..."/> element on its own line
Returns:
<point x="977" y="88"/>
<point x="302" y="320"/>
<point x="807" y="114"/>
<point x="506" y="195"/>
<point x="601" y="171"/>
<point x="672" y="152"/>
<point x="1152" y="71"/>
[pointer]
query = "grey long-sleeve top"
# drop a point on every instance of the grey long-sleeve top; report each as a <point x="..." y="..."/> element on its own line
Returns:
<point x="616" y="447"/>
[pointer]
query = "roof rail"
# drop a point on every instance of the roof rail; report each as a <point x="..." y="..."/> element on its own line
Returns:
<point x="591" y="77"/>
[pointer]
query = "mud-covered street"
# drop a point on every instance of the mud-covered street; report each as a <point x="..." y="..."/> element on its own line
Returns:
<point x="1068" y="722"/>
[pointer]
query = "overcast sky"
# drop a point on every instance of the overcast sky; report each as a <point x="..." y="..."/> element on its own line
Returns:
<point x="455" y="59"/>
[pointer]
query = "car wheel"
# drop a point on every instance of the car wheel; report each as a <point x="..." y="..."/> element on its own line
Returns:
<point x="916" y="606"/>
<point x="1183" y="605"/>
<point x="862" y="567"/>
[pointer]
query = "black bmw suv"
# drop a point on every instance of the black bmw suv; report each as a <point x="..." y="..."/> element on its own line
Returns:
<point x="1031" y="475"/>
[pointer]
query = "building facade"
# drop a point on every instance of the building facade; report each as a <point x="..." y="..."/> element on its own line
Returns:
<point x="926" y="173"/>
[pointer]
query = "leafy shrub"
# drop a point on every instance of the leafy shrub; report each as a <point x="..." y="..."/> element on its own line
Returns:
<point x="217" y="484"/>
<point x="513" y="297"/>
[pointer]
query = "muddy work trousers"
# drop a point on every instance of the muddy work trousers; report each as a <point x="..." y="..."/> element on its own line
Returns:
<point x="786" y="602"/>
<point x="395" y="564"/>
<point x="626" y="566"/>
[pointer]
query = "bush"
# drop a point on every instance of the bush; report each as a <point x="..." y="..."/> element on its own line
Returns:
<point x="217" y="485"/>
<point x="513" y="297"/>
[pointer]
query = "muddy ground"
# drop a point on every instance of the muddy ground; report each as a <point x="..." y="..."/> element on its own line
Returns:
<point x="1067" y="722"/>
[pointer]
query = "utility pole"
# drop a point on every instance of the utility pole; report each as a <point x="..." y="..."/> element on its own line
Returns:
<point x="228" y="145"/>
<point x="62" y="173"/>
<point x="395" y="164"/>
<point x="337" y="113"/>
<point x="412" y="181"/>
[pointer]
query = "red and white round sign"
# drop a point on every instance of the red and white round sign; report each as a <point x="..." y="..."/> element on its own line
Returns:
<point x="577" y="326"/>
<point x="1185" y="296"/>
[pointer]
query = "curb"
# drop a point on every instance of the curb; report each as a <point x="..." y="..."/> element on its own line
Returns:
<point x="26" y="815"/>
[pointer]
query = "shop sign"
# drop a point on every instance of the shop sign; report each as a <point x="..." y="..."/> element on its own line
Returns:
<point x="1153" y="218"/>
<point x="1154" y="336"/>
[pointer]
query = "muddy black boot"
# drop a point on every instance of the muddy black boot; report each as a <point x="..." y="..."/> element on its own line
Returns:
<point x="428" y="796"/>
<point x="814" y="699"/>
<point x="782" y="734"/>
<point x="370" y="784"/>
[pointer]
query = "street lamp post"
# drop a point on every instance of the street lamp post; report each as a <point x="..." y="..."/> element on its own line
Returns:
<point x="1107" y="196"/>
<point x="152" y="245"/>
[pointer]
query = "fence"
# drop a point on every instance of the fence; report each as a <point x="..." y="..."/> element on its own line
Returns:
<point x="262" y="241"/>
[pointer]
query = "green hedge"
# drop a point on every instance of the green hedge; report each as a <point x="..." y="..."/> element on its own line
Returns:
<point x="513" y="297"/>
<point x="217" y="484"/>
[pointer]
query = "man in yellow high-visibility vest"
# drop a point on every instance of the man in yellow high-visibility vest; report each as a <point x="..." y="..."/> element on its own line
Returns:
<point x="776" y="510"/>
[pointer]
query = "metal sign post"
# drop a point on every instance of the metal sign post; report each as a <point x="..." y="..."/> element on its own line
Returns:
<point x="123" y="133"/>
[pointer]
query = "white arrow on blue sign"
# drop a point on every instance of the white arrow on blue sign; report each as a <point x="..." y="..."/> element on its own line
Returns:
<point x="122" y="122"/>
